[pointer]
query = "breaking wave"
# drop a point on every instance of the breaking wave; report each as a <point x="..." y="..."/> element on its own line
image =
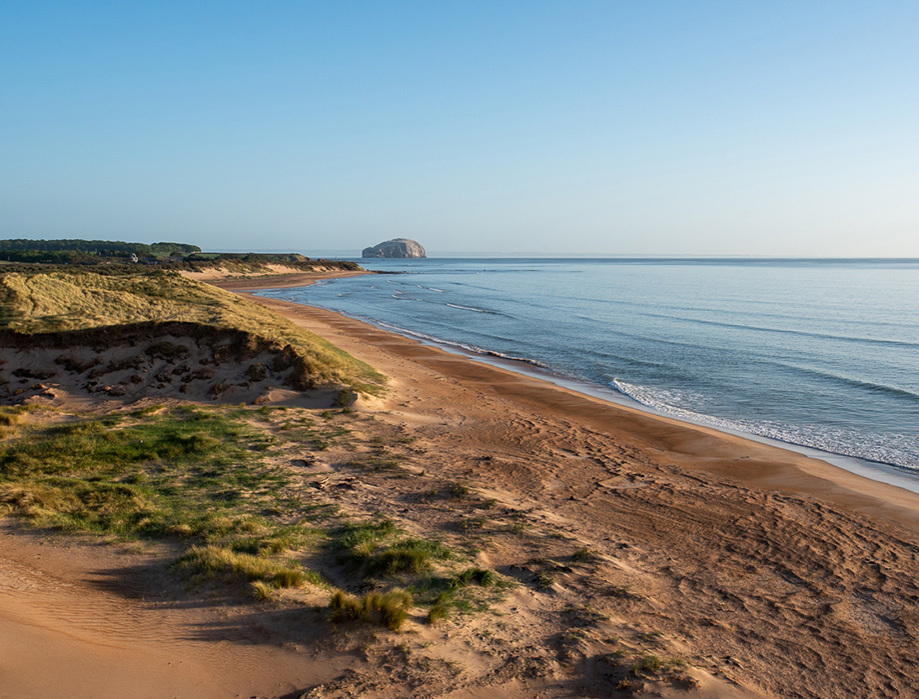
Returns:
<point x="893" y="449"/>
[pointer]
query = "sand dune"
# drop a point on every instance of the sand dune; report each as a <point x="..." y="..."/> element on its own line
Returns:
<point x="123" y="364"/>
<point x="107" y="621"/>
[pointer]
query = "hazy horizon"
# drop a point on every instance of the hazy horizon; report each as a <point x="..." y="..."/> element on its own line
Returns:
<point x="588" y="129"/>
<point x="352" y="254"/>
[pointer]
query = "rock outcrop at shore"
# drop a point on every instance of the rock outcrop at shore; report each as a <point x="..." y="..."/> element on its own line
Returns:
<point x="397" y="247"/>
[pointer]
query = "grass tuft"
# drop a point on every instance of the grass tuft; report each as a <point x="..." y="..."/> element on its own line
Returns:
<point x="262" y="591"/>
<point x="585" y="555"/>
<point x="218" y="561"/>
<point x="440" y="611"/>
<point x="367" y="545"/>
<point x="388" y="609"/>
<point x="474" y="576"/>
<point x="408" y="556"/>
<point x="646" y="665"/>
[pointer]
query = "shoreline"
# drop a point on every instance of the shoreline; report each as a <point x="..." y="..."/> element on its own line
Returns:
<point x="879" y="471"/>
<point x="282" y="280"/>
<point x="824" y="466"/>
<point x="690" y="446"/>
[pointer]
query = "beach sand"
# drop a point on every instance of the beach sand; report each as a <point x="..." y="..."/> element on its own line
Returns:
<point x="280" y="277"/>
<point x="768" y="573"/>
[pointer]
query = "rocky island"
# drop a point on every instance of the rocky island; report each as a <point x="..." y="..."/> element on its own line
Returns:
<point x="397" y="247"/>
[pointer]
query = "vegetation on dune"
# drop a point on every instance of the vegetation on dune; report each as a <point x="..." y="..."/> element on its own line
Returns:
<point x="389" y="609"/>
<point x="179" y="471"/>
<point x="376" y="548"/>
<point x="193" y="475"/>
<point x="216" y="561"/>
<point x="252" y="262"/>
<point x="61" y="301"/>
<point x="213" y="481"/>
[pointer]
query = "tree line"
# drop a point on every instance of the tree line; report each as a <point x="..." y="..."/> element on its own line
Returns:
<point x="99" y="247"/>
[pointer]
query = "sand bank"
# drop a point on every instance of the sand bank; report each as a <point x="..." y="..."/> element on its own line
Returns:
<point x="281" y="278"/>
<point x="84" y="620"/>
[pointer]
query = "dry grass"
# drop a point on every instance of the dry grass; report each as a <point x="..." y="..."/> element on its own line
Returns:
<point x="388" y="609"/>
<point x="262" y="591"/>
<point x="60" y="301"/>
<point x="216" y="561"/>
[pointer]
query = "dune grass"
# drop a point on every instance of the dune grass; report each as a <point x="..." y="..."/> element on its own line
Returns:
<point x="377" y="548"/>
<point x="61" y="301"/>
<point x="380" y="553"/>
<point x="197" y="476"/>
<point x="215" y="561"/>
<point x="208" y="480"/>
<point x="444" y="596"/>
<point x="172" y="472"/>
<point x="389" y="609"/>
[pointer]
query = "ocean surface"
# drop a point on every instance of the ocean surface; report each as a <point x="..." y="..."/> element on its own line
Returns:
<point x="816" y="353"/>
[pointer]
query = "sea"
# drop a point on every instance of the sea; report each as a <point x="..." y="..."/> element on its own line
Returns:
<point x="819" y="355"/>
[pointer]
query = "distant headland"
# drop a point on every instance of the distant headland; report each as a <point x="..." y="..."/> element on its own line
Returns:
<point x="117" y="256"/>
<point x="397" y="247"/>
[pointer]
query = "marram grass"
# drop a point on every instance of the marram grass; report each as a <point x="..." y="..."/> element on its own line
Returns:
<point x="61" y="301"/>
<point x="192" y="475"/>
<point x="215" y="561"/>
<point x="389" y="609"/>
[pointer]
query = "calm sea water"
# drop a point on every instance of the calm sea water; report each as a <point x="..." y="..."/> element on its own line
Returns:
<point x="823" y="354"/>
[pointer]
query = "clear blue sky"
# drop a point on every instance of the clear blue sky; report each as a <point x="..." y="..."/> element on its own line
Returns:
<point x="639" y="127"/>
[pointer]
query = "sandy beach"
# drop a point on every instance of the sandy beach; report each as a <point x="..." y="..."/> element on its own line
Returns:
<point x="761" y="572"/>
<point x="281" y="277"/>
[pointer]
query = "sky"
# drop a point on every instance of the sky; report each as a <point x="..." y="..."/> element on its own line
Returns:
<point x="646" y="127"/>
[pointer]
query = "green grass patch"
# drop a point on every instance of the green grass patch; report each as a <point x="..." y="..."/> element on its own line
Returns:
<point x="362" y="538"/>
<point x="194" y="475"/>
<point x="474" y="576"/>
<point x="408" y="556"/>
<point x="180" y="471"/>
<point x="440" y="611"/>
<point x="470" y="590"/>
<point x="372" y="547"/>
